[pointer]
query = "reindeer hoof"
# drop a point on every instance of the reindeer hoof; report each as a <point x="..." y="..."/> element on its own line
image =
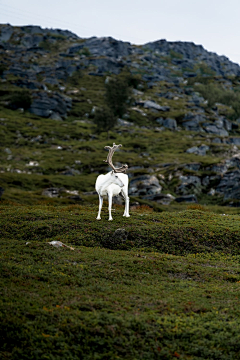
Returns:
<point x="98" y="218"/>
<point x="110" y="219"/>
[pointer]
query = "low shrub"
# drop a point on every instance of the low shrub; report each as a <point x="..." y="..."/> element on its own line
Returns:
<point x="20" y="100"/>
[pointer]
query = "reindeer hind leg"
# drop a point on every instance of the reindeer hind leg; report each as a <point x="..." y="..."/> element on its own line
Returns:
<point x="100" y="207"/>
<point x="126" y="198"/>
<point x="110" y="206"/>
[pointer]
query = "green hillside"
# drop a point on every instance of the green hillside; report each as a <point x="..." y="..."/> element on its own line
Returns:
<point x="162" y="284"/>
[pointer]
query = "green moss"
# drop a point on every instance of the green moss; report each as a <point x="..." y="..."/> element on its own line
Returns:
<point x="96" y="303"/>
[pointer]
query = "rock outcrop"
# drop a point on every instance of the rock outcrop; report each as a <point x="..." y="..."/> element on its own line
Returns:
<point x="24" y="46"/>
<point x="144" y="185"/>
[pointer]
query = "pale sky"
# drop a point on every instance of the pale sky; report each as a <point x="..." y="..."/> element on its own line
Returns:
<point x="215" y="24"/>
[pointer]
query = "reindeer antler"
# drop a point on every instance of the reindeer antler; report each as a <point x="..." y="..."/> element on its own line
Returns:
<point x="123" y="168"/>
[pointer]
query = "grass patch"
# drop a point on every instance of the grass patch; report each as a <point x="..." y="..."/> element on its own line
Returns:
<point x="96" y="303"/>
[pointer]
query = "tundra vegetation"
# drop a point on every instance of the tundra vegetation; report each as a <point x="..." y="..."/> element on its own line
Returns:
<point x="169" y="289"/>
<point x="162" y="284"/>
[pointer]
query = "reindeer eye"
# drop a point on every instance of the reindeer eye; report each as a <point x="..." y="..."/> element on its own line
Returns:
<point x="116" y="176"/>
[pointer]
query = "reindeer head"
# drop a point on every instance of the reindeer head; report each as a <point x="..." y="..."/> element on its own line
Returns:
<point x="112" y="149"/>
<point x="116" y="179"/>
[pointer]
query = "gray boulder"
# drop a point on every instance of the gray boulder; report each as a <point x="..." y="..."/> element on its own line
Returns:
<point x="45" y="105"/>
<point x="192" y="122"/>
<point x="31" y="41"/>
<point x="29" y="29"/>
<point x="189" y="184"/>
<point x="234" y="161"/>
<point x="144" y="185"/>
<point x="201" y="150"/>
<point x="216" y="128"/>
<point x="235" y="141"/>
<point x="167" y="123"/>
<point x="104" y="46"/>
<point x="206" y="181"/>
<point x="6" y="33"/>
<point x="229" y="185"/>
<point x="122" y="122"/>
<point x="187" y="198"/>
<point x="163" y="199"/>
<point x="103" y="65"/>
<point x="55" y="116"/>
<point x="32" y="85"/>
<point x="118" y="200"/>
<point x="170" y="124"/>
<point x="52" y="192"/>
<point x="216" y="141"/>
<point x="193" y="166"/>
<point x="219" y="168"/>
<point x="192" y="53"/>
<point x="196" y="99"/>
<point x="192" y="125"/>
<point x="149" y="104"/>
<point x="51" y="80"/>
<point x="227" y="124"/>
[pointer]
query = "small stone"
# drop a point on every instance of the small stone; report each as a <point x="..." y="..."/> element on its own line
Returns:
<point x="8" y="151"/>
<point x="187" y="198"/>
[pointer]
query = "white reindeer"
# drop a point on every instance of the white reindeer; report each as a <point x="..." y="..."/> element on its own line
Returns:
<point x="112" y="184"/>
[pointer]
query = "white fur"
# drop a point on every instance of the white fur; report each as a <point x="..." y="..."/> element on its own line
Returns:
<point x="112" y="184"/>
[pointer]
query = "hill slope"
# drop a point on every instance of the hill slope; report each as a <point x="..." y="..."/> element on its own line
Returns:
<point x="180" y="132"/>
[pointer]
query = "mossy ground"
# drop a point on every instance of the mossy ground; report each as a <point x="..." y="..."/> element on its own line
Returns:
<point x="56" y="146"/>
<point x="170" y="291"/>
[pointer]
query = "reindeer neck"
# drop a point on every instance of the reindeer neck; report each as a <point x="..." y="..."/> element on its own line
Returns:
<point x="108" y="181"/>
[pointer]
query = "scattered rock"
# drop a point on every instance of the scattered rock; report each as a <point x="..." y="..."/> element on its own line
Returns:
<point x="229" y="185"/>
<point x="235" y="141"/>
<point x="6" y="33"/>
<point x="90" y="193"/>
<point x="8" y="151"/>
<point x="104" y="46"/>
<point x="212" y="192"/>
<point x="118" y="200"/>
<point x="167" y="123"/>
<point x="55" y="105"/>
<point x="201" y="150"/>
<point x="32" y="163"/>
<point x="52" y="192"/>
<point x="189" y="184"/>
<point x="216" y="128"/>
<point x="193" y="166"/>
<point x="187" y="198"/>
<point x="144" y="185"/>
<point x="219" y="168"/>
<point x="59" y="244"/>
<point x="216" y="141"/>
<point x="149" y="104"/>
<point x="191" y="122"/>
<point x="122" y="122"/>
<point x="55" y="116"/>
<point x="163" y="199"/>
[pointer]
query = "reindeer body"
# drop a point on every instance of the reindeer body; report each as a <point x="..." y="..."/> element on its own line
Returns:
<point x="112" y="184"/>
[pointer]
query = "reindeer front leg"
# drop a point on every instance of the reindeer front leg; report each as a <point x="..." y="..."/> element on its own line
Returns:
<point x="100" y="206"/>
<point x="110" y="205"/>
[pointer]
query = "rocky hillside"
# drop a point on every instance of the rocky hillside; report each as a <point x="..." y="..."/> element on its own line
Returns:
<point x="185" y="109"/>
